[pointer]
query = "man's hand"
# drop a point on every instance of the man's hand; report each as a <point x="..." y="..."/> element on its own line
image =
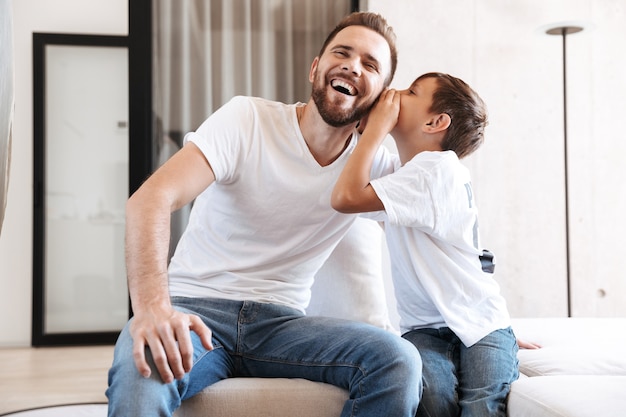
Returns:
<point x="166" y="332"/>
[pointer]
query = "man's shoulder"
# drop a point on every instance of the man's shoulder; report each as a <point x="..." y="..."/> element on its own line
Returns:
<point x="262" y="106"/>
<point x="247" y="108"/>
<point x="260" y="102"/>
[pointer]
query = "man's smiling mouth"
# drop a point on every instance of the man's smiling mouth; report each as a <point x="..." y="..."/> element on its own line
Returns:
<point x="343" y="87"/>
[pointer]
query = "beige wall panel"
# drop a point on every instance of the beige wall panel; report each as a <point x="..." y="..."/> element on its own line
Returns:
<point x="500" y="49"/>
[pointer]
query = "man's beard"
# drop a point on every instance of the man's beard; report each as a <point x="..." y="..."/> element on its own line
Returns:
<point x="333" y="115"/>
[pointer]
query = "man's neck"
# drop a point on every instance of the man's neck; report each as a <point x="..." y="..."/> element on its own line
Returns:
<point x="326" y="143"/>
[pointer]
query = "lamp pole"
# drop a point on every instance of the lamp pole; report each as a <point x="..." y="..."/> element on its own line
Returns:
<point x="563" y="31"/>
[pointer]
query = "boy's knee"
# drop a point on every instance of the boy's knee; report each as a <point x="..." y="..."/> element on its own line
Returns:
<point x="403" y="359"/>
<point x="413" y="361"/>
<point x="408" y="353"/>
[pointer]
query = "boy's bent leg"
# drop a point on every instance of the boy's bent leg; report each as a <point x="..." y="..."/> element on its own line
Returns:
<point x="381" y="371"/>
<point x="130" y="394"/>
<point x="438" y="349"/>
<point x="488" y="368"/>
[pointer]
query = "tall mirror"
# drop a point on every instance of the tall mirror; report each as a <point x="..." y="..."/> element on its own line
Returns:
<point x="81" y="178"/>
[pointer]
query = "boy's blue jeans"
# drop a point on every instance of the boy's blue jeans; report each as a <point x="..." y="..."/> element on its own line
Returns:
<point x="462" y="381"/>
<point x="381" y="371"/>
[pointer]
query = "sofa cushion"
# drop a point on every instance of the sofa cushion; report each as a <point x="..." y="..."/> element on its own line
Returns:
<point x="560" y="360"/>
<point x="573" y="346"/>
<point x="571" y="396"/>
<point x="265" y="397"/>
<point x="572" y="331"/>
<point x="350" y="284"/>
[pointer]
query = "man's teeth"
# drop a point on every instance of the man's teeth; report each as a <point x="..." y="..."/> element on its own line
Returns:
<point x="343" y="87"/>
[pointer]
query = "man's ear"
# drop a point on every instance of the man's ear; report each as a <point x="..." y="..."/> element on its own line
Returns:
<point x="438" y="123"/>
<point x="313" y="69"/>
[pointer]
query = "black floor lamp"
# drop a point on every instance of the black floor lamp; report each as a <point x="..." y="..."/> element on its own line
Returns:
<point x="563" y="30"/>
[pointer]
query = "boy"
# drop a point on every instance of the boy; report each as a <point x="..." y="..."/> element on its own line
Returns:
<point x="450" y="307"/>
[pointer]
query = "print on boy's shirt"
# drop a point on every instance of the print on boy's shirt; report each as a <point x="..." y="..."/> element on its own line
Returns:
<point x="487" y="259"/>
<point x="470" y="194"/>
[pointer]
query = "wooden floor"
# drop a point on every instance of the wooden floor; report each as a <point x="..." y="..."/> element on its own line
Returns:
<point x="37" y="377"/>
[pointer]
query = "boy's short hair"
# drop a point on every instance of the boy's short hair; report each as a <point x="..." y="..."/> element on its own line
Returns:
<point x="372" y="21"/>
<point x="467" y="111"/>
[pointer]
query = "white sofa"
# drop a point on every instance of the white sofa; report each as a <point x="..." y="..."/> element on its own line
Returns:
<point x="579" y="372"/>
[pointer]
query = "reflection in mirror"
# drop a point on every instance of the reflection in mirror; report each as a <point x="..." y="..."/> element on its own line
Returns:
<point x="81" y="172"/>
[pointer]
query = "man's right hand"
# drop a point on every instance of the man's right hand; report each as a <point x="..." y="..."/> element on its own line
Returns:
<point x="167" y="333"/>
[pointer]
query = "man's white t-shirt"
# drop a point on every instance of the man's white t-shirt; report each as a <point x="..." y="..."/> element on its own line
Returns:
<point x="265" y="226"/>
<point x="431" y="228"/>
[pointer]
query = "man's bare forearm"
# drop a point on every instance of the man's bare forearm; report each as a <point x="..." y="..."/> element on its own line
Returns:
<point x="147" y="246"/>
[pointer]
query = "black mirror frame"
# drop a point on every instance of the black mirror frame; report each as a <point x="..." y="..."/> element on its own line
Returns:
<point x="39" y="337"/>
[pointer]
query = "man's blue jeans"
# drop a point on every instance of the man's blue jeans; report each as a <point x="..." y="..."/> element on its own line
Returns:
<point x="462" y="381"/>
<point x="381" y="371"/>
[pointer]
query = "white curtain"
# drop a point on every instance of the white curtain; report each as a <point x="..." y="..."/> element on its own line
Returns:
<point x="6" y="99"/>
<point x="207" y="51"/>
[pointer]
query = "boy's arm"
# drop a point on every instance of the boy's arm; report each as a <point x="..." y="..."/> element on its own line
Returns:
<point x="353" y="192"/>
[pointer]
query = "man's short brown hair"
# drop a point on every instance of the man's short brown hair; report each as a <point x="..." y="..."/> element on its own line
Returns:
<point x="372" y="21"/>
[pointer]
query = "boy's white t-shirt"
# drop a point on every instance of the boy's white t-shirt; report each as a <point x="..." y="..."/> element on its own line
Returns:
<point x="431" y="226"/>
<point x="265" y="226"/>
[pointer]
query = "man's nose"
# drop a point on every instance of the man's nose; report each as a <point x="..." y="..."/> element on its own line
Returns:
<point x="354" y="66"/>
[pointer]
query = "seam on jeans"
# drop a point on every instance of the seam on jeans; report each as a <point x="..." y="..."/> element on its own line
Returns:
<point x="360" y="389"/>
<point x="303" y="363"/>
<point x="206" y="352"/>
<point x="453" y="349"/>
<point x="240" y="326"/>
<point x="309" y="364"/>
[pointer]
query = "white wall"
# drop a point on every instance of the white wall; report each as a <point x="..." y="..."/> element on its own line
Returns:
<point x="56" y="16"/>
<point x="498" y="48"/>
